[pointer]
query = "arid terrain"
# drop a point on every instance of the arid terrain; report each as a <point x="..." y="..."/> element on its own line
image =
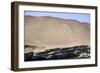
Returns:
<point x="46" y="33"/>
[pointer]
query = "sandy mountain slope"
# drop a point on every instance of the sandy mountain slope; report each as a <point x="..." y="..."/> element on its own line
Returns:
<point x="51" y="32"/>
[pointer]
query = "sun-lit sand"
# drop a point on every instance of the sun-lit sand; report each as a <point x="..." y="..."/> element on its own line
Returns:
<point x="51" y="32"/>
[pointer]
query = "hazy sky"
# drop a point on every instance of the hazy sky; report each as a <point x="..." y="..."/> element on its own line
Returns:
<point x="82" y="17"/>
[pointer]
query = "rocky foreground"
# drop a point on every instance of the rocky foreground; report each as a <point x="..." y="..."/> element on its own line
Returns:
<point x="76" y="52"/>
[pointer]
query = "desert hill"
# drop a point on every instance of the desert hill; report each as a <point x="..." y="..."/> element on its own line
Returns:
<point x="51" y="32"/>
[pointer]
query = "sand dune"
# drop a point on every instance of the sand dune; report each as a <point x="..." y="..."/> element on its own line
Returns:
<point x="53" y="32"/>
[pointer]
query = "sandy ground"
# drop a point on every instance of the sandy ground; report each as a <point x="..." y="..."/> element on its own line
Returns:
<point x="52" y="32"/>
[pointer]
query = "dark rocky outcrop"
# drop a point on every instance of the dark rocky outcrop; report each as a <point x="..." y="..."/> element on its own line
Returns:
<point x="76" y="52"/>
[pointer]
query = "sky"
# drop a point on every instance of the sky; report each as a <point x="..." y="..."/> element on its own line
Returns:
<point x="82" y="17"/>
